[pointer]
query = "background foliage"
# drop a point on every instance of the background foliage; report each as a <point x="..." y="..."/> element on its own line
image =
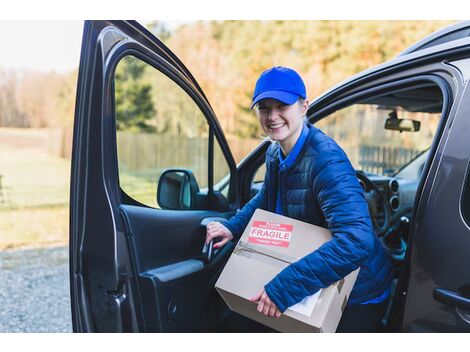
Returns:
<point x="226" y="57"/>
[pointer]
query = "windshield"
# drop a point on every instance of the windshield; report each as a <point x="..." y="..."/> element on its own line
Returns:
<point x="413" y="170"/>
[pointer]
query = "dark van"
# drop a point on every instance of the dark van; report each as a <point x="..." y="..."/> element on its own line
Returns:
<point x="142" y="191"/>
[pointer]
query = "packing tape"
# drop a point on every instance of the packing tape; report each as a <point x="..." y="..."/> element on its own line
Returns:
<point x="245" y="246"/>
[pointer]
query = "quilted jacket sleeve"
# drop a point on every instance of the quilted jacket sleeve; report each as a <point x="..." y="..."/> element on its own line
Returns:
<point x="345" y="209"/>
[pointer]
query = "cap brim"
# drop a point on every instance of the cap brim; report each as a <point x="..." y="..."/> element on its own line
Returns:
<point x="282" y="96"/>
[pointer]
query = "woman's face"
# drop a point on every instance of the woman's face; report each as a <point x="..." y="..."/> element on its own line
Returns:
<point x="281" y="122"/>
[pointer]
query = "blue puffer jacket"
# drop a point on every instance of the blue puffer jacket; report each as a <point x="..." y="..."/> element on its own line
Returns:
<point x="321" y="188"/>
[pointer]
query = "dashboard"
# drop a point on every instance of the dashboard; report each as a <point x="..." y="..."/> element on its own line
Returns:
<point x="399" y="193"/>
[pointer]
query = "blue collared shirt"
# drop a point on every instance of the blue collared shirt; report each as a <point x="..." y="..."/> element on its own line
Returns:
<point x="285" y="162"/>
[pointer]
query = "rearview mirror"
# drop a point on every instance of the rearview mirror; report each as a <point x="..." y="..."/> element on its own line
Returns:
<point x="177" y="189"/>
<point x="395" y="124"/>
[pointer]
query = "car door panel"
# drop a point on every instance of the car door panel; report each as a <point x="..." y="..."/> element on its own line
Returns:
<point x="180" y="297"/>
<point x="164" y="236"/>
<point x="133" y="268"/>
<point x="175" y="282"/>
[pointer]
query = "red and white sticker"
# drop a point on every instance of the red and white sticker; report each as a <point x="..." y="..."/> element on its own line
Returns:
<point x="270" y="233"/>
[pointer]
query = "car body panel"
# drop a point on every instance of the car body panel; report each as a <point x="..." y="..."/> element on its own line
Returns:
<point x="447" y="34"/>
<point x="441" y="238"/>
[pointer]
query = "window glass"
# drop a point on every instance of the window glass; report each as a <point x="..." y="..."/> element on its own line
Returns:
<point x="221" y="168"/>
<point x="260" y="173"/>
<point x="159" y="127"/>
<point x="360" y="130"/>
<point x="242" y="146"/>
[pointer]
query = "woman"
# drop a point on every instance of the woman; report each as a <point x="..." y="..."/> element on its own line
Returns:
<point x="309" y="178"/>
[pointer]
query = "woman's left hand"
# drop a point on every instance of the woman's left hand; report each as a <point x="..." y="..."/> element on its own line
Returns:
<point x="265" y="305"/>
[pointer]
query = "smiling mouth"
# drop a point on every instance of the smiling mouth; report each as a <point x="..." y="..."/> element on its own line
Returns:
<point x="275" y="126"/>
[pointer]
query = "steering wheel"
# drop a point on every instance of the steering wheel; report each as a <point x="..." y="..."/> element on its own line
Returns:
<point x="375" y="200"/>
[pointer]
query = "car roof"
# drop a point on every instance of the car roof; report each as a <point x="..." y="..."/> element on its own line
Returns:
<point x="448" y="34"/>
<point x="435" y="45"/>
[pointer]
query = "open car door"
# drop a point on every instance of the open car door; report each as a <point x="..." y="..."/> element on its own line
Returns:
<point x="136" y="228"/>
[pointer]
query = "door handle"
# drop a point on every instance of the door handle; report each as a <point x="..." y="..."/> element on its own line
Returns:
<point x="459" y="299"/>
<point x="208" y="250"/>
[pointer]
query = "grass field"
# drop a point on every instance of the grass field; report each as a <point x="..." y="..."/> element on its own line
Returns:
<point x="35" y="191"/>
<point x="34" y="227"/>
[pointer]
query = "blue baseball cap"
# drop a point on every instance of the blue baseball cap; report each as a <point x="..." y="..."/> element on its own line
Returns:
<point x="280" y="83"/>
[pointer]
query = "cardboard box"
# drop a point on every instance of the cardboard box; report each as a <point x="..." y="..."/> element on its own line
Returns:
<point x="269" y="244"/>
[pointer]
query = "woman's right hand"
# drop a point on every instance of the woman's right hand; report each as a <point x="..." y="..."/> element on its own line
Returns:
<point x="215" y="230"/>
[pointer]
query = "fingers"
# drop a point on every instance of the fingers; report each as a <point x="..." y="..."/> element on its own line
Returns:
<point x="272" y="310"/>
<point x="210" y="236"/>
<point x="212" y="231"/>
<point x="257" y="297"/>
<point x="213" y="235"/>
<point x="216" y="229"/>
<point x="265" y="305"/>
<point x="260" y="306"/>
<point x="221" y="243"/>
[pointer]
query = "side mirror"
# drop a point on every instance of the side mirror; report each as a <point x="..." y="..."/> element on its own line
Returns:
<point x="177" y="189"/>
<point x="395" y="124"/>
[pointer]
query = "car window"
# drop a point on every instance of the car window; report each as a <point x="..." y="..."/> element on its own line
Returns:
<point x="221" y="168"/>
<point x="159" y="127"/>
<point x="260" y="173"/>
<point x="241" y="146"/>
<point x="414" y="169"/>
<point x="359" y="130"/>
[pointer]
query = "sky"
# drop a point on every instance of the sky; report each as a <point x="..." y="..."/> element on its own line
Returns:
<point x="46" y="45"/>
<point x="54" y="45"/>
<point x="40" y="45"/>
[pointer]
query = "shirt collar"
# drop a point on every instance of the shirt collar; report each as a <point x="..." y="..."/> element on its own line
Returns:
<point x="294" y="153"/>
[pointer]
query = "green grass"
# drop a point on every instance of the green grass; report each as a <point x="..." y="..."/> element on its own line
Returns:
<point x="30" y="178"/>
<point x="34" y="227"/>
<point x="140" y="186"/>
<point x="35" y="191"/>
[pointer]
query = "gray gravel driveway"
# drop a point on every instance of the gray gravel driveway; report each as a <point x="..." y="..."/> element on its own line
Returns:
<point x="34" y="290"/>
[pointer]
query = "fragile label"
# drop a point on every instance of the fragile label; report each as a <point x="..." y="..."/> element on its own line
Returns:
<point x="270" y="233"/>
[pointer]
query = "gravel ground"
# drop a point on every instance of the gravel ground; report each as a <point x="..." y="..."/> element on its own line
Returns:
<point x="34" y="290"/>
